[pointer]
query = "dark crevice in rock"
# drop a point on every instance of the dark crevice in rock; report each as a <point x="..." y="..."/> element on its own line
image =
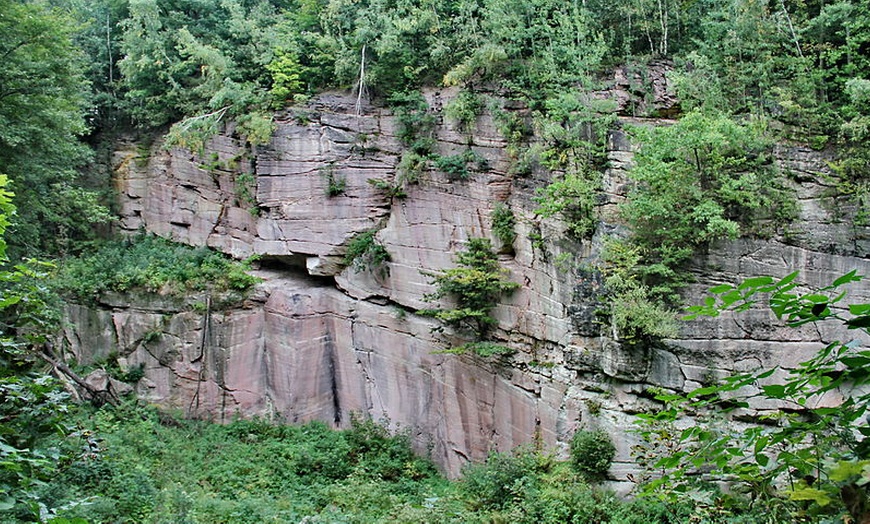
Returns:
<point x="333" y="381"/>
<point x="283" y="262"/>
<point x="296" y="265"/>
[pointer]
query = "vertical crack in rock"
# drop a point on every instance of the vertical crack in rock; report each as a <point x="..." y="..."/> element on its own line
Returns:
<point x="370" y="383"/>
<point x="333" y="379"/>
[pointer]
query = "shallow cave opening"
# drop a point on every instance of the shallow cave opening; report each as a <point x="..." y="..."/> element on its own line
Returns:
<point x="295" y="264"/>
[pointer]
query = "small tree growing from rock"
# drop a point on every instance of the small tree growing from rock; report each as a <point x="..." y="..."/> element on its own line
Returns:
<point x="475" y="286"/>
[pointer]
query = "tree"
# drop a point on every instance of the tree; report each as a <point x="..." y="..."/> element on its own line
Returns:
<point x="191" y="63"/>
<point x="702" y="179"/>
<point x="97" y="35"/>
<point x="705" y="178"/>
<point x="42" y="104"/>
<point x="476" y="285"/>
<point x="531" y="48"/>
<point x="32" y="404"/>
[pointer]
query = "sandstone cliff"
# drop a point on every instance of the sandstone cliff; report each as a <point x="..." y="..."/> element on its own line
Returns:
<point x="318" y="340"/>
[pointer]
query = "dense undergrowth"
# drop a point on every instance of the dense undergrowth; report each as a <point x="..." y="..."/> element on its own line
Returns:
<point x="133" y="464"/>
<point x="151" y="264"/>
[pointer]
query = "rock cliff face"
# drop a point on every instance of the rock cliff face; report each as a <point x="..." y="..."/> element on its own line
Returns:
<point x="318" y="340"/>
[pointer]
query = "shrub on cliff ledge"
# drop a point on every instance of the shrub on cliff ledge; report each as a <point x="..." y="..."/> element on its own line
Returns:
<point x="153" y="264"/>
<point x="364" y="251"/>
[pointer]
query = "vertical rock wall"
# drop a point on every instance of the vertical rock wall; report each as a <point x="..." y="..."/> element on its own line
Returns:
<point x="318" y="340"/>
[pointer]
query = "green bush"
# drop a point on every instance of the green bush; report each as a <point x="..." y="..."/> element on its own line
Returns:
<point x="496" y="483"/>
<point x="153" y="468"/>
<point x="503" y="223"/>
<point x="574" y="197"/>
<point x="464" y="110"/>
<point x="335" y="184"/>
<point x="460" y="166"/>
<point x="365" y="252"/>
<point x="416" y="124"/>
<point x="592" y="453"/>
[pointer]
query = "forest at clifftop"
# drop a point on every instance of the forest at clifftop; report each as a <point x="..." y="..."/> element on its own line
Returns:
<point x="744" y="76"/>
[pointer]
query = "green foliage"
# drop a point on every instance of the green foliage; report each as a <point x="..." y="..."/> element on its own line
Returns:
<point x="495" y="483"/>
<point x="574" y="198"/>
<point x="416" y="124"/>
<point x="335" y="183"/>
<point x="529" y="487"/>
<point x="512" y="126"/>
<point x="482" y="349"/>
<point x="390" y="189"/>
<point x="365" y="252"/>
<point x="503" y="224"/>
<point x="151" y="264"/>
<point x="246" y="189"/>
<point x="149" y="467"/>
<point x="530" y="48"/>
<point x="475" y="286"/>
<point x="703" y="179"/>
<point x="574" y="129"/>
<point x="464" y="110"/>
<point x="33" y="406"/>
<point x="592" y="453"/>
<point x="286" y="78"/>
<point x="812" y="458"/>
<point x="706" y="177"/>
<point x="391" y="45"/>
<point x="573" y="132"/>
<point x="411" y="168"/>
<point x="42" y="107"/>
<point x="852" y="166"/>
<point x="457" y="166"/>
<point x="187" y="58"/>
<point x="634" y="310"/>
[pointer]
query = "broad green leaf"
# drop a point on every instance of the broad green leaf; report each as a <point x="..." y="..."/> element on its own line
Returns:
<point x="768" y="373"/>
<point x="755" y="282"/>
<point x="721" y="288"/>
<point x="730" y="297"/>
<point x="761" y="443"/>
<point x="812" y="494"/>
<point x="856" y="362"/>
<point x="851" y="276"/>
<point x="703" y="391"/>
<point x="817" y="299"/>
<point x="787" y="279"/>
<point x="859" y="309"/>
<point x="776" y="391"/>
<point x="858" y="322"/>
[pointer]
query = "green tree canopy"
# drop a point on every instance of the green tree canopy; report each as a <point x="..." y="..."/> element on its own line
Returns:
<point x="42" y="105"/>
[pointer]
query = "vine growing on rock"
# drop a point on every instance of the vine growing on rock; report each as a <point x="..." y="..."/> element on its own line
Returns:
<point x="475" y="286"/>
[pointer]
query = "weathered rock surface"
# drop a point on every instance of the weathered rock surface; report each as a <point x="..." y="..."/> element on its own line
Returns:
<point x="319" y="340"/>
